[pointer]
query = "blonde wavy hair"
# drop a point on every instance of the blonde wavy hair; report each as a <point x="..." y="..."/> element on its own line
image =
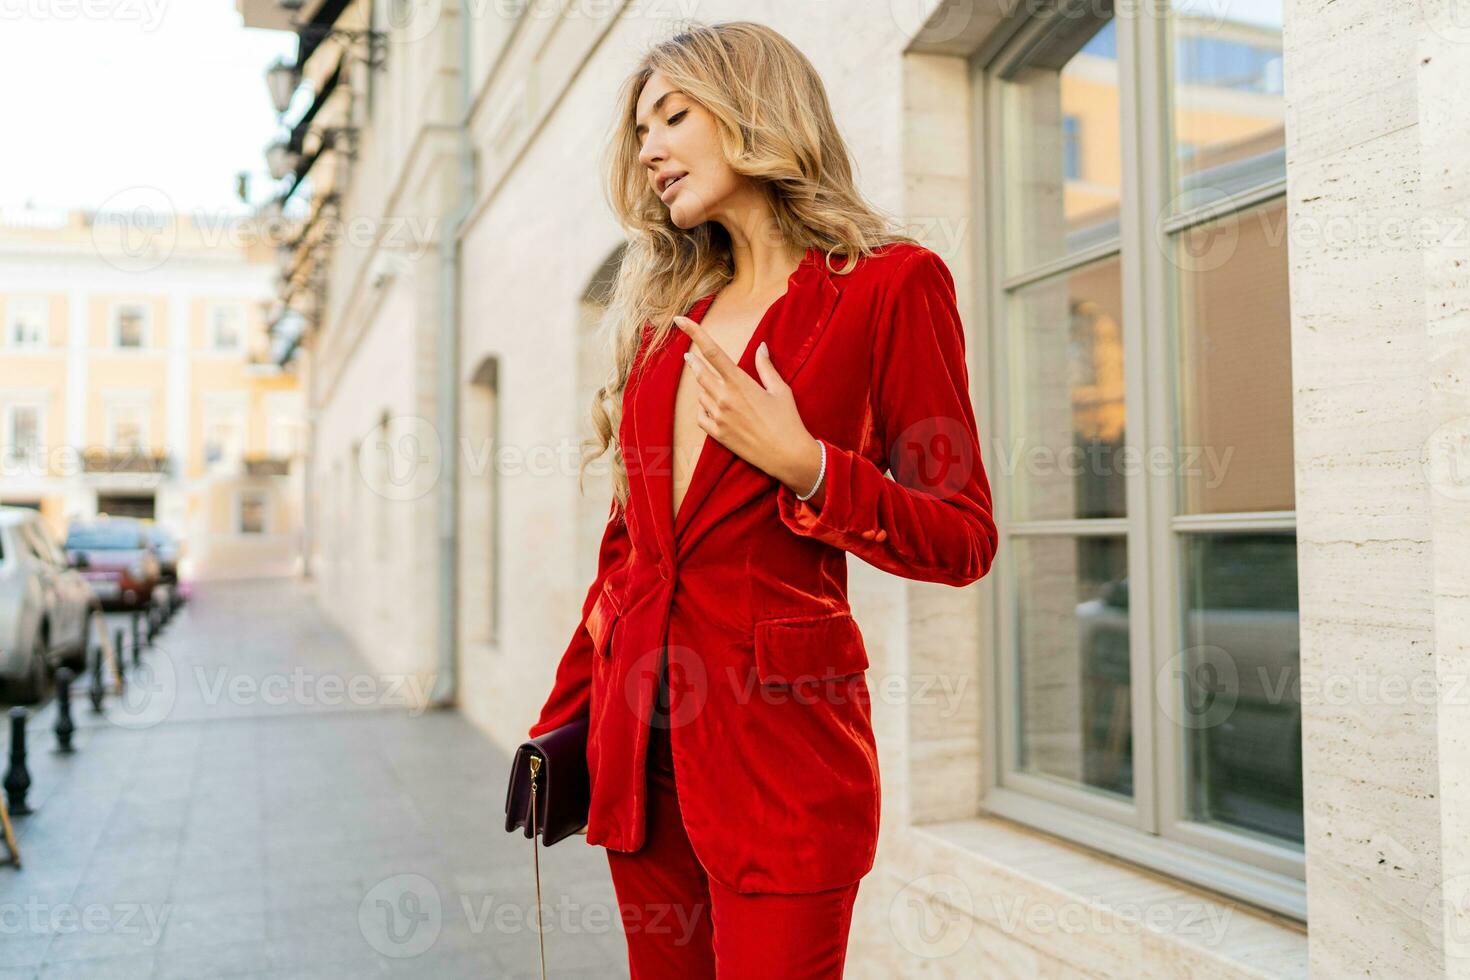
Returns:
<point x="776" y="128"/>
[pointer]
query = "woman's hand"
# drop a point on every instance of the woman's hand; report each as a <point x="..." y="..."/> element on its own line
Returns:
<point x="759" y="423"/>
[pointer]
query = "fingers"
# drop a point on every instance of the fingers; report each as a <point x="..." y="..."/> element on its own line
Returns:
<point x="766" y="368"/>
<point x="714" y="355"/>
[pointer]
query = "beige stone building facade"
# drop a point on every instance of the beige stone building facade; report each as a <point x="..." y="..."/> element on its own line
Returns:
<point x="1199" y="720"/>
<point x="136" y="379"/>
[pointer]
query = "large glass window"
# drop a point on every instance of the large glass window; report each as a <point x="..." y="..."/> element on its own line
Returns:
<point x="1148" y="676"/>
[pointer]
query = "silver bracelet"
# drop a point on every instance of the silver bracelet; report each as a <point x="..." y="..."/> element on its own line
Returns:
<point x="820" y="473"/>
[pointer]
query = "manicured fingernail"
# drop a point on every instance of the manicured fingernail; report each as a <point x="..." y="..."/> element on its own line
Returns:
<point x="763" y="349"/>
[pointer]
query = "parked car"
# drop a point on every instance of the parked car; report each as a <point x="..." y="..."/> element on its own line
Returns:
<point x="112" y="554"/>
<point x="166" y="547"/>
<point x="48" y="613"/>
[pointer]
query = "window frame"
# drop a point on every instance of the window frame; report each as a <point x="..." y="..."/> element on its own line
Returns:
<point x="266" y="526"/>
<point x="113" y="406"/>
<point x="1151" y="830"/>
<point x="114" y="325"/>
<point x="32" y="303"/>
<point x="8" y="410"/>
<point x="211" y="327"/>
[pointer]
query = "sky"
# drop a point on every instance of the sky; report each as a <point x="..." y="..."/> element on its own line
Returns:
<point x="104" y="96"/>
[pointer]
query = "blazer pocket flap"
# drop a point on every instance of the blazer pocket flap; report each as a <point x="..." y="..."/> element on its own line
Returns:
<point x="600" y="619"/>
<point x="800" y="649"/>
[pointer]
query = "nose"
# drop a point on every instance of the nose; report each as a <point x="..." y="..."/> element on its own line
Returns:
<point x="651" y="153"/>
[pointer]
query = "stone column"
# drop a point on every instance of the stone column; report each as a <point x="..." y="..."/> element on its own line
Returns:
<point x="1378" y="152"/>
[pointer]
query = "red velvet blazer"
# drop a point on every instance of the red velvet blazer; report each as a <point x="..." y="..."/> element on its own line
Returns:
<point x="769" y="717"/>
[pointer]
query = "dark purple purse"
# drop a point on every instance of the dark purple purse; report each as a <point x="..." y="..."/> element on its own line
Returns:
<point x="550" y="794"/>
<point x="550" y="789"/>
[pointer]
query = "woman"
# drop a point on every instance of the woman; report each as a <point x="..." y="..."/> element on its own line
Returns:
<point x="734" y="771"/>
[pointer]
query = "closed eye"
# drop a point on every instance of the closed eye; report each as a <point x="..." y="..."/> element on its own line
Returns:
<point x="674" y="119"/>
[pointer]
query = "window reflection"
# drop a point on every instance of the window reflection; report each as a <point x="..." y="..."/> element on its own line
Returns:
<point x="1073" y="667"/>
<point x="1229" y="116"/>
<point x="1067" y="371"/>
<point x="1240" y="677"/>
<point x="1235" y="393"/>
<point x="1063" y="161"/>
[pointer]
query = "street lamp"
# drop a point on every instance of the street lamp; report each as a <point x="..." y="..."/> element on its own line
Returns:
<point x="282" y="79"/>
<point x="280" y="159"/>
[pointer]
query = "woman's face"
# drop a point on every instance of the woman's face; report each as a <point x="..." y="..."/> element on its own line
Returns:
<point x="678" y="136"/>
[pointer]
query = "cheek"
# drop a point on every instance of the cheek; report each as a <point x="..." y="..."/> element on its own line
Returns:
<point x="714" y="181"/>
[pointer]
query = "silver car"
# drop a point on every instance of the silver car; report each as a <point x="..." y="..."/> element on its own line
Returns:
<point x="47" y="611"/>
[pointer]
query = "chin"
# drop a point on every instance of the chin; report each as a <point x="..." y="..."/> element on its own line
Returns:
<point x="685" y="218"/>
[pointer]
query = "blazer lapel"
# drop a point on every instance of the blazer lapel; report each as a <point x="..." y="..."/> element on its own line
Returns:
<point x="790" y="332"/>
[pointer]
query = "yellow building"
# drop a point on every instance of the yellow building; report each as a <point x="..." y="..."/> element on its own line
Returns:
<point x="136" y="378"/>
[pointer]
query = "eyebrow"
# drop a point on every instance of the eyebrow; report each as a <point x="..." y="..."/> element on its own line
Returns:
<point x="640" y="129"/>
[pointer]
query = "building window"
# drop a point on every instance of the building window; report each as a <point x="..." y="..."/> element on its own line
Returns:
<point x="22" y="432"/>
<point x="1085" y="310"/>
<point x="27" y="320"/>
<point x="224" y="434"/>
<point x="253" y="516"/>
<point x="127" y="427"/>
<point x="226" y="327"/>
<point x="130" y="325"/>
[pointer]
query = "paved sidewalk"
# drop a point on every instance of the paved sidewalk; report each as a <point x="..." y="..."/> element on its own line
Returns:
<point x="249" y="818"/>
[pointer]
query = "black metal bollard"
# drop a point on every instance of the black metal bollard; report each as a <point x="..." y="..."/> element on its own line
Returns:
<point x="17" y="777"/>
<point x="98" y="687"/>
<point x="119" y="659"/>
<point x="64" y="725"/>
<point x="137" y="635"/>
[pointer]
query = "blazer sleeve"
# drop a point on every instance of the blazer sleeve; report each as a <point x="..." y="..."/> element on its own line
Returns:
<point x="571" y="693"/>
<point x="933" y="521"/>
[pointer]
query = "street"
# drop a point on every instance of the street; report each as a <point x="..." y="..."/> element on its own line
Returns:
<point x="260" y="804"/>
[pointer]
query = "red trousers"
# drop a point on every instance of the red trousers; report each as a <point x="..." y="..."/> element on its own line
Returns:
<point x="683" y="925"/>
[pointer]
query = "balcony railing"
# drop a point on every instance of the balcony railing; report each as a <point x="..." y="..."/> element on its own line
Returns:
<point x="100" y="460"/>
<point x="267" y="466"/>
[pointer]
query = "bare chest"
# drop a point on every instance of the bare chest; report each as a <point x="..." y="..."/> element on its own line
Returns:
<point x="732" y="330"/>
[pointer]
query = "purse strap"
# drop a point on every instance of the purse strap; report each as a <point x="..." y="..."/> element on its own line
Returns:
<point x="536" y="857"/>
